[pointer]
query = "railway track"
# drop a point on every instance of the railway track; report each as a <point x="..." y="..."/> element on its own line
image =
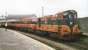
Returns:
<point x="61" y="45"/>
<point x="81" y="45"/>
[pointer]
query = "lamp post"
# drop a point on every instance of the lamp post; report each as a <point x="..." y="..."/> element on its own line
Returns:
<point x="6" y="20"/>
<point x="42" y="11"/>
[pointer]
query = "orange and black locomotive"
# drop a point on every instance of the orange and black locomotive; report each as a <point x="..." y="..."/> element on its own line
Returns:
<point x="62" y="25"/>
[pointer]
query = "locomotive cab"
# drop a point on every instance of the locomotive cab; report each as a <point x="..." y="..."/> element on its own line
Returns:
<point x="70" y="26"/>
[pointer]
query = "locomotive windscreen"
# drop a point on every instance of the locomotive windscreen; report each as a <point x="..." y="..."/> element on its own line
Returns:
<point x="70" y="17"/>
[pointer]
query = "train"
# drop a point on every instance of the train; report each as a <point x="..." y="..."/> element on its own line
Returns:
<point x="63" y="25"/>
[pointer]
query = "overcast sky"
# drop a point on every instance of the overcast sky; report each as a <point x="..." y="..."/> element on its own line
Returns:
<point x="50" y="6"/>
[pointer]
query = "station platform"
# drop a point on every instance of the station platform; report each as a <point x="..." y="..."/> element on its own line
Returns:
<point x="12" y="40"/>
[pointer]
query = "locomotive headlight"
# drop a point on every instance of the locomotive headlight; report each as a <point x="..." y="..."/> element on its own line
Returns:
<point x="71" y="23"/>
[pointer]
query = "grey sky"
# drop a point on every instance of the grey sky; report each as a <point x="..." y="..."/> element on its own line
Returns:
<point x="50" y="6"/>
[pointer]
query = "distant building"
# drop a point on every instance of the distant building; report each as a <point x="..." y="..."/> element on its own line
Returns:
<point x="20" y="16"/>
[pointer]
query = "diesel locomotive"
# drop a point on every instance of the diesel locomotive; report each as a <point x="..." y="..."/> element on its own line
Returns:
<point x="63" y="25"/>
